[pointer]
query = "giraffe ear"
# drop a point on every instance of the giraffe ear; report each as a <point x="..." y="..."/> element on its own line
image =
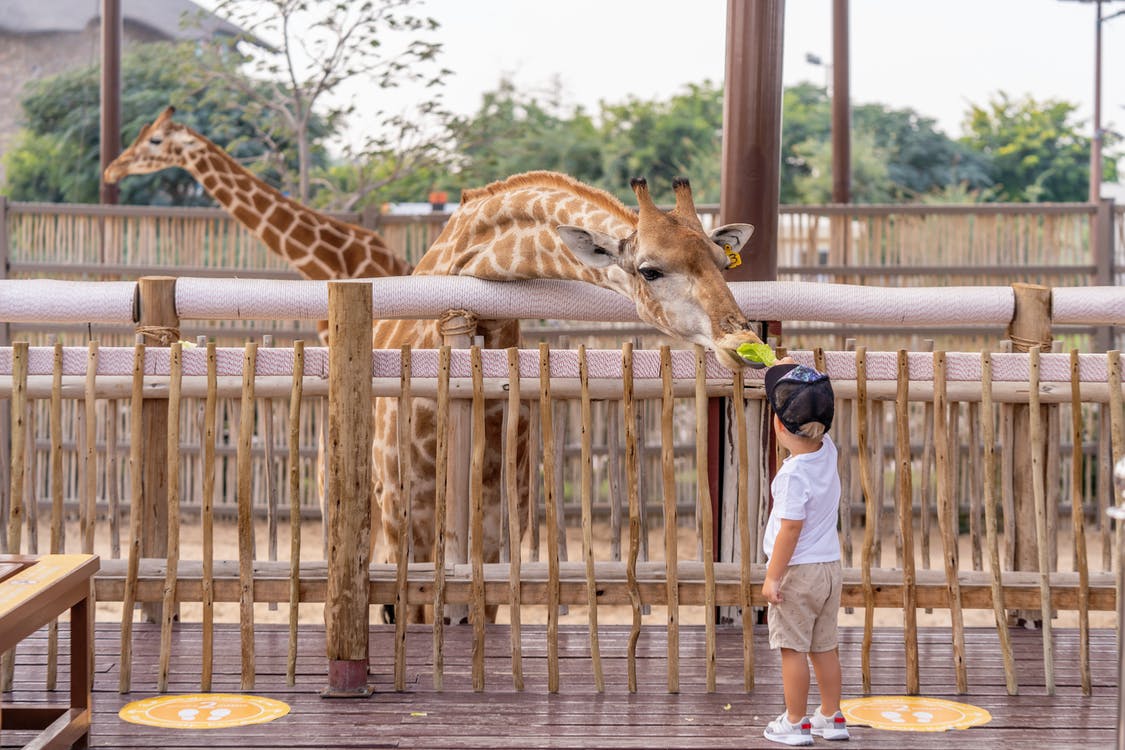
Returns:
<point x="734" y="235"/>
<point x="592" y="248"/>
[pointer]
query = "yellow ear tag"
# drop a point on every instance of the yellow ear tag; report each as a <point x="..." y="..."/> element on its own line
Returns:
<point x="735" y="258"/>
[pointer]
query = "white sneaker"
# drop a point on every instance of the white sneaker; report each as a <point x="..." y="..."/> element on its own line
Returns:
<point x="833" y="727"/>
<point x="780" y="730"/>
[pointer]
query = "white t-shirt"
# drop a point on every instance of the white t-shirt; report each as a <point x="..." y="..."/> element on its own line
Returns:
<point x="807" y="488"/>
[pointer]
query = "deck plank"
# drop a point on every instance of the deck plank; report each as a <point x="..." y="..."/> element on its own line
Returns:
<point x="577" y="717"/>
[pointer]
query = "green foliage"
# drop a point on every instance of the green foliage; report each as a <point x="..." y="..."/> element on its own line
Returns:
<point x="661" y="140"/>
<point x="57" y="157"/>
<point x="1034" y="149"/>
<point x="514" y="132"/>
<point x="806" y="118"/>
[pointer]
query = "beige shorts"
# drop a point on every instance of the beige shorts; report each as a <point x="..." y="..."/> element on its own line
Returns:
<point x="807" y="617"/>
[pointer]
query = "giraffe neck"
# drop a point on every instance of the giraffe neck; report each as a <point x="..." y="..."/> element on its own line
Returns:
<point x="317" y="246"/>
<point x="506" y="231"/>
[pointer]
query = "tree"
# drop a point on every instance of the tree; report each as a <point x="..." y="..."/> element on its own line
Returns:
<point x="665" y="139"/>
<point x="1034" y="149"/>
<point x="57" y="156"/>
<point x="805" y="118"/>
<point x="514" y="131"/>
<point x="307" y="48"/>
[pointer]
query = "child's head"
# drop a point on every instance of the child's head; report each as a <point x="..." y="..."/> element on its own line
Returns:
<point x="801" y="398"/>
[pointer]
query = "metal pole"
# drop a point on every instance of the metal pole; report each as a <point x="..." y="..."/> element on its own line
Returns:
<point x="112" y="24"/>
<point x="1096" y="143"/>
<point x="841" y="109"/>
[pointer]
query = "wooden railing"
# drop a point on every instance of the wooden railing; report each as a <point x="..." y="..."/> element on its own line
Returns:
<point x="954" y="485"/>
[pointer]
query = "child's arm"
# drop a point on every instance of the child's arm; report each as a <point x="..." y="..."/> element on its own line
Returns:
<point x="783" y="547"/>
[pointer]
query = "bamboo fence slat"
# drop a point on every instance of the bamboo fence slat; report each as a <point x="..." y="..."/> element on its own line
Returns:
<point x="869" y="504"/>
<point x="703" y="482"/>
<point x="1038" y="469"/>
<point x="587" y="491"/>
<point x="671" y="543"/>
<point x="245" y="520"/>
<point x="441" y="420"/>
<point x="294" y="465"/>
<point x="136" y="517"/>
<point x="173" y="438"/>
<point x="476" y="510"/>
<point x="207" y="516"/>
<point x="1078" y="524"/>
<point x="404" y="440"/>
<point x="947" y="517"/>
<point x="547" y="433"/>
<point x="906" y="525"/>
<point x="511" y="475"/>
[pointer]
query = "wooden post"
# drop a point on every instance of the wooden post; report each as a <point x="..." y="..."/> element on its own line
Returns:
<point x="156" y="320"/>
<point x="1030" y="327"/>
<point x="346" y="612"/>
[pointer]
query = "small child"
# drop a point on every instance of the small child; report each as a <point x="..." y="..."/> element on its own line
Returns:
<point x="803" y="578"/>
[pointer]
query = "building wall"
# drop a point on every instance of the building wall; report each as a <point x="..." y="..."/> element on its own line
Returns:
<point x="27" y="57"/>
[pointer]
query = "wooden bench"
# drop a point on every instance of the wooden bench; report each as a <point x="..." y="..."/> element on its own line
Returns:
<point x="33" y="592"/>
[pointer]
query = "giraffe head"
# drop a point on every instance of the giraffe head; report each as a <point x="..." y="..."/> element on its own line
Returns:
<point x="673" y="270"/>
<point x="159" y="145"/>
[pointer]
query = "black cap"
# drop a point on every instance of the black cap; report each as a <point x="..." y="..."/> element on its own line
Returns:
<point x="799" y="396"/>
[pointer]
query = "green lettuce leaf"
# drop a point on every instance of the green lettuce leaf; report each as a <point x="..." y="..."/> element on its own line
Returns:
<point x="757" y="353"/>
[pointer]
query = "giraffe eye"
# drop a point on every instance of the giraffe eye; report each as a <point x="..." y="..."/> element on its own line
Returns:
<point x="651" y="274"/>
<point x="156" y="140"/>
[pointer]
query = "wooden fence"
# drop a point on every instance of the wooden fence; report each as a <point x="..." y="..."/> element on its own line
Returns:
<point x="990" y="424"/>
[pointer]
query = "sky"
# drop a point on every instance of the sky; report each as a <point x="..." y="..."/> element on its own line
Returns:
<point x="935" y="56"/>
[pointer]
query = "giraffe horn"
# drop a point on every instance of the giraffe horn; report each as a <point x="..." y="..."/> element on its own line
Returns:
<point x="685" y="205"/>
<point x="644" y="199"/>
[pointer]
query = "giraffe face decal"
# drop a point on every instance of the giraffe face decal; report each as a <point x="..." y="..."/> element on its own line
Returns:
<point x="159" y="145"/>
<point x="673" y="271"/>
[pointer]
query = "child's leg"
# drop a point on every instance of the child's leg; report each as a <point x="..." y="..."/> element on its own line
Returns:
<point x="826" y="664"/>
<point x="795" y="679"/>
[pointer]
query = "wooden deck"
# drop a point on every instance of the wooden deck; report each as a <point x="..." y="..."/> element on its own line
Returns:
<point x="577" y="717"/>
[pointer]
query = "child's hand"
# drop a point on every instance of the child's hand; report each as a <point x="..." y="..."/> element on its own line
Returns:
<point x="771" y="589"/>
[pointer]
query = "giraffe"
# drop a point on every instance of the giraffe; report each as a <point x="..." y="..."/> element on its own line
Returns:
<point x="544" y="225"/>
<point x="317" y="246"/>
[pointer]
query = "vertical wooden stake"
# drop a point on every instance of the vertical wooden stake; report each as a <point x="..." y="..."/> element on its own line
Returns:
<point x="171" y="570"/>
<point x="440" y="517"/>
<point x="906" y="521"/>
<point x="546" y="426"/>
<point x="1037" y="476"/>
<point x="588" y="520"/>
<point x="346" y="611"/>
<point x="703" y="483"/>
<point x="671" y="542"/>
<point x="404" y="438"/>
<point x="294" y="461"/>
<point x="476" y="516"/>
<point x="947" y="518"/>
<point x="18" y="453"/>
<point x="511" y="477"/>
<point x="1078" y="524"/>
<point x="743" y="447"/>
<point x="631" y="468"/>
<point x="58" y="537"/>
<point x="246" y="517"/>
<point x="137" y="506"/>
<point x="869" y="512"/>
<point x="90" y="455"/>
<point x="210" y="410"/>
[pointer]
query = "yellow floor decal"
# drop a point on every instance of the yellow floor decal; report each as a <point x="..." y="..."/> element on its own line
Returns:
<point x="203" y="711"/>
<point x="912" y="713"/>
